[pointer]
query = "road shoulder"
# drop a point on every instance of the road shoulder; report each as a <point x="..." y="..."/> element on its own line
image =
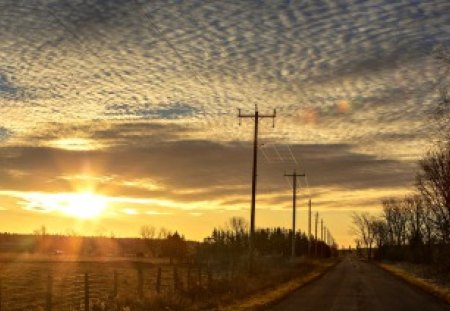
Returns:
<point x="443" y="294"/>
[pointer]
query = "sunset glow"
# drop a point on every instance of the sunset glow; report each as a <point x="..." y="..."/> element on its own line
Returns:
<point x="75" y="144"/>
<point x="79" y="205"/>
<point x="84" y="205"/>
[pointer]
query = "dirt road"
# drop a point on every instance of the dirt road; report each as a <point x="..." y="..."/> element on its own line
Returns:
<point x="353" y="285"/>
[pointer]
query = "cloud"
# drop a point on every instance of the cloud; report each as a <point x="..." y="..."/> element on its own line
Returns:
<point x="4" y="133"/>
<point x="6" y="88"/>
<point x="211" y="175"/>
<point x="148" y="111"/>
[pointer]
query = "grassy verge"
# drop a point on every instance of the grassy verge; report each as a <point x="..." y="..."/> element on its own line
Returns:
<point x="271" y="295"/>
<point x="426" y="285"/>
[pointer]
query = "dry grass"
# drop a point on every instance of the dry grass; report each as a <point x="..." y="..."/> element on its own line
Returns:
<point x="427" y="285"/>
<point x="24" y="285"/>
<point x="272" y="295"/>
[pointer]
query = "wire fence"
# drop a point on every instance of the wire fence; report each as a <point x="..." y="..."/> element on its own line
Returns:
<point x="88" y="291"/>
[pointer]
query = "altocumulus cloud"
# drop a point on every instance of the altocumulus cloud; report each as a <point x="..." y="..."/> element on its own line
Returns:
<point x="157" y="85"/>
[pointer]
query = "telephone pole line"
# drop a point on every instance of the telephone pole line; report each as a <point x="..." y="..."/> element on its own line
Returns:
<point x="294" y="176"/>
<point x="256" y="116"/>
<point x="321" y="230"/>
<point x="309" y="227"/>
<point x="315" y="235"/>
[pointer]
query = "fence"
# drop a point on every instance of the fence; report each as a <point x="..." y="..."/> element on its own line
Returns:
<point x="85" y="291"/>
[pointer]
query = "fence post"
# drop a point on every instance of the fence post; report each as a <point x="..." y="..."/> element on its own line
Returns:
<point x="189" y="281"/>
<point x="176" y="282"/>
<point x="199" y="275"/>
<point x="49" y="294"/>
<point x="1" y="294"/>
<point x="116" y="280"/>
<point x="86" y="292"/>
<point x="158" y="280"/>
<point x="209" y="277"/>
<point x="140" y="283"/>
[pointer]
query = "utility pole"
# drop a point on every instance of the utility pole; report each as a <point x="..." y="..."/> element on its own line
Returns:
<point x="256" y="116"/>
<point x="294" y="176"/>
<point x="315" y="235"/>
<point x="321" y="230"/>
<point x="309" y="227"/>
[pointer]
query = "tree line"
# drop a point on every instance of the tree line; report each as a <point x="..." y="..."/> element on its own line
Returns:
<point x="230" y="244"/>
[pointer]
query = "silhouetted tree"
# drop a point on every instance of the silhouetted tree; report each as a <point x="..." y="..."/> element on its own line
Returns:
<point x="174" y="246"/>
<point x="433" y="182"/>
<point x="148" y="234"/>
<point x="363" y="228"/>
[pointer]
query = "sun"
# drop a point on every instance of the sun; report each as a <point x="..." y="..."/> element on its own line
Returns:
<point x="83" y="205"/>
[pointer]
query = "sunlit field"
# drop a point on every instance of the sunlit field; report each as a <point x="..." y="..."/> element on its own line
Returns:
<point x="41" y="283"/>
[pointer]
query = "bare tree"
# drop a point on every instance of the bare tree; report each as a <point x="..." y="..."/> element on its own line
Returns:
<point x="380" y="232"/>
<point x="363" y="229"/>
<point x="41" y="231"/>
<point x="163" y="233"/>
<point x="394" y="213"/>
<point x="148" y="234"/>
<point x="433" y="182"/>
<point x="415" y="219"/>
<point x="238" y="225"/>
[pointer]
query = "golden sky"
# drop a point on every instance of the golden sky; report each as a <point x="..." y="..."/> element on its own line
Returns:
<point x="116" y="114"/>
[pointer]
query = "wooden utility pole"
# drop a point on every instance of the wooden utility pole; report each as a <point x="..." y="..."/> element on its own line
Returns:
<point x="294" y="176"/>
<point x="256" y="116"/>
<point x="309" y="227"/>
<point x="321" y="230"/>
<point x="315" y="233"/>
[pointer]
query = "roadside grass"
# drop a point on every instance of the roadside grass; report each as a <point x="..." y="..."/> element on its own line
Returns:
<point x="428" y="285"/>
<point x="23" y="285"/>
<point x="270" y="295"/>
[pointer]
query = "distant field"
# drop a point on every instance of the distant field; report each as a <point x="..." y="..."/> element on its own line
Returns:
<point x="27" y="257"/>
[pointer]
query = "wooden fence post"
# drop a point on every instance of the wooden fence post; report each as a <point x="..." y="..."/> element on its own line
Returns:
<point x="199" y="275"/>
<point x="209" y="277"/>
<point x="188" y="281"/>
<point x="49" y="294"/>
<point x="1" y="294"/>
<point x="158" y="280"/>
<point x="86" y="292"/>
<point x="176" y="281"/>
<point x="116" y="281"/>
<point x="140" y="283"/>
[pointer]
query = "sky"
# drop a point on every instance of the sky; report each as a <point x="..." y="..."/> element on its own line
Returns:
<point x="117" y="114"/>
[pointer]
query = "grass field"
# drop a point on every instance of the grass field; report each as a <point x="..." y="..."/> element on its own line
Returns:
<point x="114" y="283"/>
<point x="25" y="282"/>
